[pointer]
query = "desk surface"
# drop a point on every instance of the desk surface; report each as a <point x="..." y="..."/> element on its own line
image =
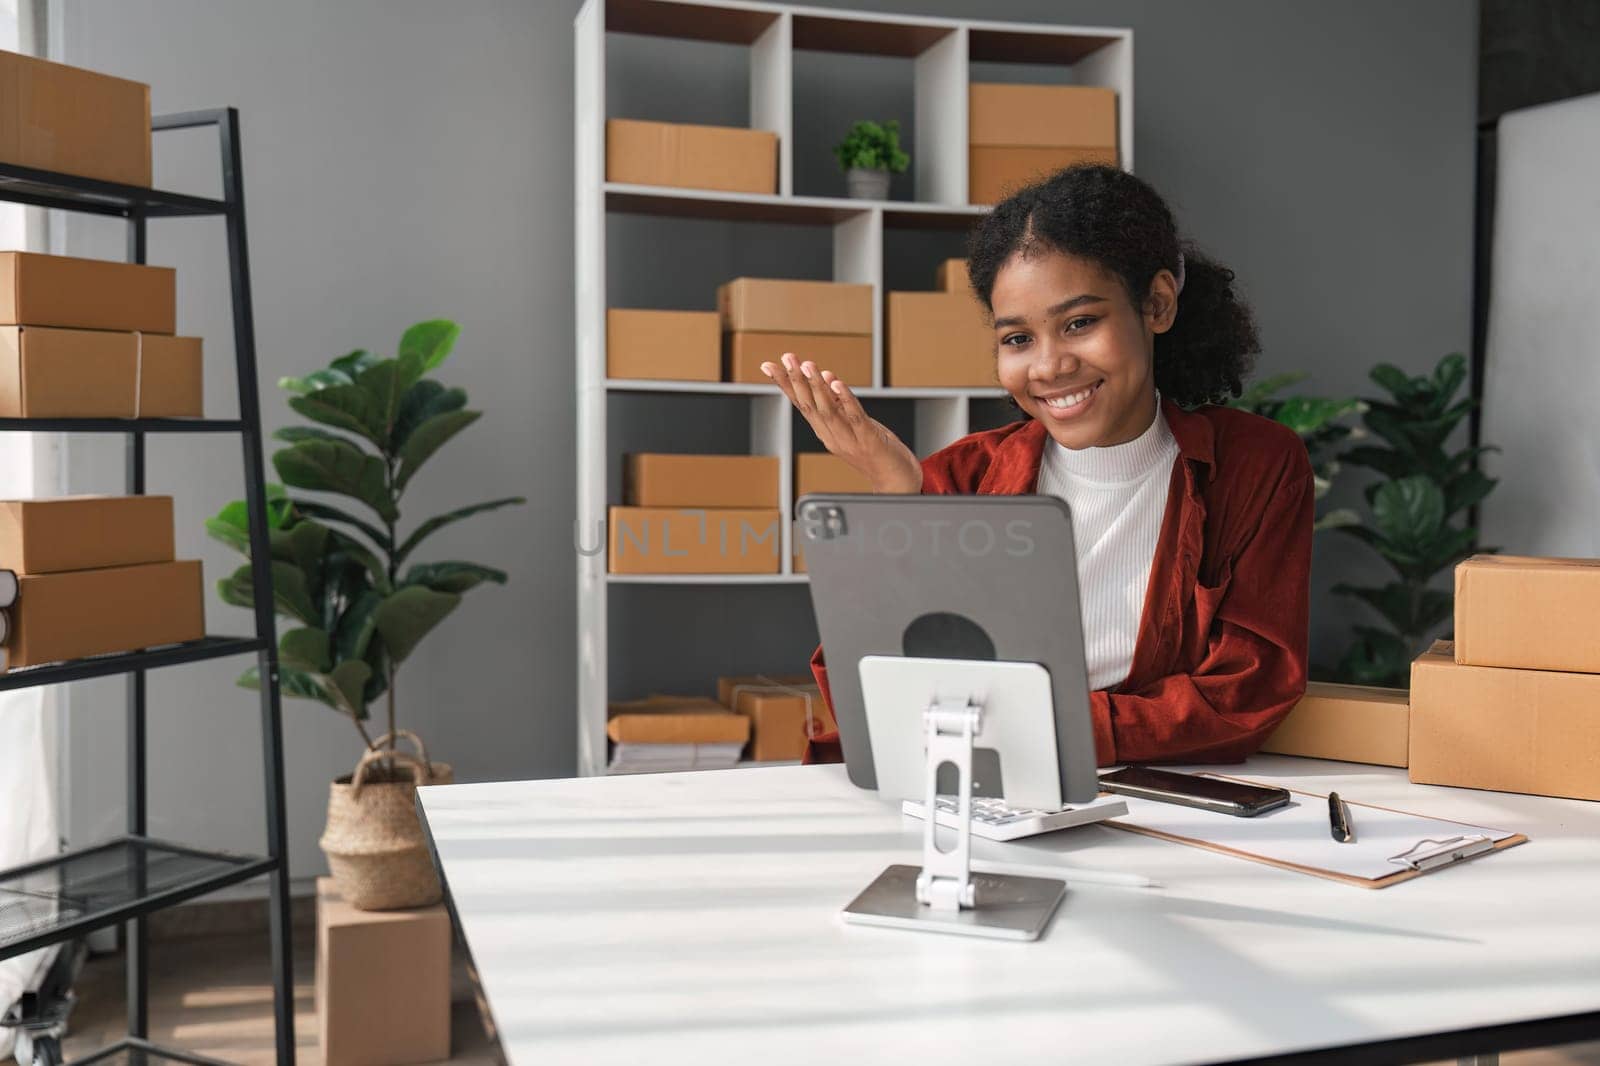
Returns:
<point x="695" y="918"/>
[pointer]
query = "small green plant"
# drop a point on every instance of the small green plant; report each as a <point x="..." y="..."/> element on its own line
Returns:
<point x="873" y="146"/>
<point x="342" y="578"/>
<point x="1414" y="523"/>
<point x="1320" y="425"/>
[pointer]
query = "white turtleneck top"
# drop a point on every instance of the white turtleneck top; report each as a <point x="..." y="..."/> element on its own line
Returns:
<point x="1118" y="496"/>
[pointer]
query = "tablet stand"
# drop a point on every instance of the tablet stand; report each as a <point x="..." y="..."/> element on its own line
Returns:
<point x="944" y="895"/>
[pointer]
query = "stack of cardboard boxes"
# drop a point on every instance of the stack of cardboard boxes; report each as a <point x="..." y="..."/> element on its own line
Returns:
<point x="1020" y="133"/>
<point x="664" y="733"/>
<point x="1514" y="703"/>
<point x="940" y="339"/>
<point x="96" y="575"/>
<point x="784" y="712"/>
<point x="696" y="514"/>
<point x="758" y="319"/>
<point x="759" y="717"/>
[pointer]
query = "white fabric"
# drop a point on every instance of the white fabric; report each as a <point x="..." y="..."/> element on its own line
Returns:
<point x="1541" y="385"/>
<point x="1118" y="496"/>
<point x="27" y="822"/>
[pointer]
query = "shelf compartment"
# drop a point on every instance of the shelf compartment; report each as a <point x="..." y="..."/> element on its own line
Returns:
<point x="68" y="192"/>
<point x="75" y="893"/>
<point x="127" y="662"/>
<point x="121" y="425"/>
<point x="689" y="21"/>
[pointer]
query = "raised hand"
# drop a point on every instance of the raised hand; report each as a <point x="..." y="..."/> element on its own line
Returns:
<point x="844" y="428"/>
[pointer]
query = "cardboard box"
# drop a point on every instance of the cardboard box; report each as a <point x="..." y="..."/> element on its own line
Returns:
<point x="84" y="532"/>
<point x="171" y="377"/>
<point x="383" y="982"/>
<point x="95" y="612"/>
<point x="690" y="540"/>
<point x="662" y="726"/>
<point x="1041" y="116"/>
<point x="822" y="472"/>
<point x="60" y="118"/>
<point x="663" y="345"/>
<point x="938" y="339"/>
<point x="1528" y="613"/>
<point x="952" y="277"/>
<point x="692" y="157"/>
<point x="993" y="173"/>
<point x="848" y="355"/>
<point x="1351" y="723"/>
<point x="1532" y="731"/>
<point x="58" y="290"/>
<point x="784" y="712"/>
<point x="654" y="480"/>
<point x="86" y="373"/>
<point x="776" y="305"/>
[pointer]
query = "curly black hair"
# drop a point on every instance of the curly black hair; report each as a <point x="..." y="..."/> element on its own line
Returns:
<point x="1107" y="215"/>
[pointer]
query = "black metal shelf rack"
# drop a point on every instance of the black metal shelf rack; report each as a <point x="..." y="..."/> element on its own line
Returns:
<point x="124" y="880"/>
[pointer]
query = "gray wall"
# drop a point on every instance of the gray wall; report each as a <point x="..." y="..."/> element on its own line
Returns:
<point x="409" y="159"/>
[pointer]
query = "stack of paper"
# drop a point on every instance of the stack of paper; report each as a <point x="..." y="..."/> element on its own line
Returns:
<point x="663" y="758"/>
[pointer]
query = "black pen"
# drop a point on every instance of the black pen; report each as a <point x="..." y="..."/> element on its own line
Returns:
<point x="1339" y="820"/>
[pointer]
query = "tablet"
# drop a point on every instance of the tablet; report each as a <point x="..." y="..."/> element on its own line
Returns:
<point x="949" y="577"/>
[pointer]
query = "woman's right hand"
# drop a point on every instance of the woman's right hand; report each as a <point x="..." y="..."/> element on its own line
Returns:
<point x="844" y="428"/>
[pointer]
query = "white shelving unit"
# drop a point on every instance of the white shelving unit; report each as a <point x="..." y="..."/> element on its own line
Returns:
<point x="942" y="51"/>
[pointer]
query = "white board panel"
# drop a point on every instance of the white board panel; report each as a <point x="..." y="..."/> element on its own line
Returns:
<point x="1542" y="368"/>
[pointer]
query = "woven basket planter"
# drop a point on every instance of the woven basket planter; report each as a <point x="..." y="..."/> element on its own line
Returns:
<point x="374" y="843"/>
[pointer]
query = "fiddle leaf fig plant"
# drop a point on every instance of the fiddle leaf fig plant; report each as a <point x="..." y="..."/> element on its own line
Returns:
<point x="339" y="560"/>
<point x="1414" y="524"/>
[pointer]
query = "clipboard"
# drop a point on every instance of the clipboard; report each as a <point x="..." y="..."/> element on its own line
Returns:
<point x="1398" y="846"/>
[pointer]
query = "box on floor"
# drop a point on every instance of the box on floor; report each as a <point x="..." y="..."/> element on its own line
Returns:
<point x="72" y="121"/>
<point x="663" y="345"/>
<point x="653" y="479"/>
<point x="78" y="613"/>
<point x="382" y="983"/>
<point x="47" y="372"/>
<point x="1510" y="730"/>
<point x="1528" y="613"/>
<point x="687" y="156"/>
<point x="1350" y="723"/>
<point x="784" y="711"/>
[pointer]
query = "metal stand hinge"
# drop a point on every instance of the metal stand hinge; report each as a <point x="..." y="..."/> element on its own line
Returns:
<point x="945" y="882"/>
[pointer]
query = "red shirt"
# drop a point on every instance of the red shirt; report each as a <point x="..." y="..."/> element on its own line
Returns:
<point x="1220" y="656"/>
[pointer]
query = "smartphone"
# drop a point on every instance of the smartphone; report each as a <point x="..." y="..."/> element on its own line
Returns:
<point x="1192" y="790"/>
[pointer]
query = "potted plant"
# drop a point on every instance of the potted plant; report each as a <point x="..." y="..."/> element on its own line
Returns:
<point x="868" y="155"/>
<point x="1319" y="422"/>
<point x="1415" y="510"/>
<point x="358" y="600"/>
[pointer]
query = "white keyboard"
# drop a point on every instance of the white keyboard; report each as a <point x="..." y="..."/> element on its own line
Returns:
<point x="992" y="819"/>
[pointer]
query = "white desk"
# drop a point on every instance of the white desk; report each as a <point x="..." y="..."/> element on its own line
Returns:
<point x="694" y="918"/>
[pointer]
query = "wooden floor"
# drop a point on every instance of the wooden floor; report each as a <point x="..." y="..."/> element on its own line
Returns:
<point x="212" y="994"/>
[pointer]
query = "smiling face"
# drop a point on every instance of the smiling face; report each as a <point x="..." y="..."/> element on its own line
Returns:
<point x="1074" y="351"/>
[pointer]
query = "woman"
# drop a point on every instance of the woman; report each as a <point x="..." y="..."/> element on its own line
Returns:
<point x="1192" y="522"/>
